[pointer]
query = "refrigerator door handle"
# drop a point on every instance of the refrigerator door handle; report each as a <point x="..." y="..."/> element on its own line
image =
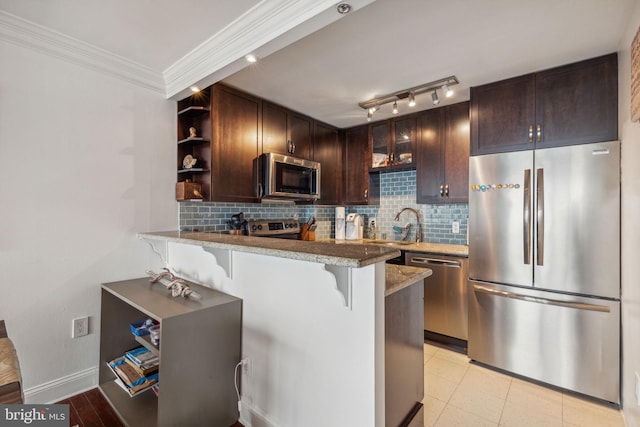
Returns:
<point x="548" y="301"/>
<point x="540" y="217"/>
<point x="526" y="222"/>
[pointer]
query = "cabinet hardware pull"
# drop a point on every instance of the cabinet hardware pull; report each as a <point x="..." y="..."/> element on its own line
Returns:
<point x="446" y="190"/>
<point x="289" y="147"/>
<point x="366" y="194"/>
<point x="441" y="190"/>
<point x="293" y="148"/>
<point x="530" y="133"/>
<point x="539" y="133"/>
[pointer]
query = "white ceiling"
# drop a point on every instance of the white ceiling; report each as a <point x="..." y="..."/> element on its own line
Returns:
<point x="384" y="47"/>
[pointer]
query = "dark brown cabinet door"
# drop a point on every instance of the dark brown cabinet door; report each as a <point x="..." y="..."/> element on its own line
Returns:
<point x="328" y="152"/>
<point x="300" y="128"/>
<point x="442" y="155"/>
<point x="357" y="158"/>
<point x="502" y="116"/>
<point x="572" y="104"/>
<point x="578" y="103"/>
<point x="274" y="129"/>
<point x="236" y="128"/>
<point x="430" y="157"/>
<point x="380" y="141"/>
<point x="286" y="132"/>
<point x="456" y="153"/>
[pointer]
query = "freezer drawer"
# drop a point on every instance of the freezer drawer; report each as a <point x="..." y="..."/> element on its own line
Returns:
<point x="567" y="341"/>
<point x="445" y="293"/>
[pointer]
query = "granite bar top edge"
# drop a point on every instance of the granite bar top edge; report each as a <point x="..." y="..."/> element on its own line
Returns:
<point x="399" y="277"/>
<point x="355" y="256"/>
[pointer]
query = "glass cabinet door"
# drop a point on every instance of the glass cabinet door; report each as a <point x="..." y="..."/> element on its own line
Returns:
<point x="403" y="142"/>
<point x="379" y="144"/>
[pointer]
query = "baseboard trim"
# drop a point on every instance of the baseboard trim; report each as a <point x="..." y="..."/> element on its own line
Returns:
<point x="61" y="388"/>
<point x="251" y="416"/>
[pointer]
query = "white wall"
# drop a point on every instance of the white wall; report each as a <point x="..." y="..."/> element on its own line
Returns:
<point x="630" y="136"/>
<point x="86" y="161"/>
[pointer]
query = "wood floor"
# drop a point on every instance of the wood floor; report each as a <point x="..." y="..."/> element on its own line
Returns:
<point x="90" y="409"/>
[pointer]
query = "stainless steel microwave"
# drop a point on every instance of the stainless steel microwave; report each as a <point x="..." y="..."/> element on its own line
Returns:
<point x="286" y="177"/>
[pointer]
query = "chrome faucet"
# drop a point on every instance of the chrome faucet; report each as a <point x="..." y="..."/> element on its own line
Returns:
<point x="418" y="227"/>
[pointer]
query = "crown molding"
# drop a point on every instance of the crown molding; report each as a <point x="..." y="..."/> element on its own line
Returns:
<point x="260" y="25"/>
<point x="21" y="32"/>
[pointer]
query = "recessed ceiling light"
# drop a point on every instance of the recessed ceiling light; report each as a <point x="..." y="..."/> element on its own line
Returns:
<point x="344" y="8"/>
<point x="251" y="58"/>
<point x="195" y="89"/>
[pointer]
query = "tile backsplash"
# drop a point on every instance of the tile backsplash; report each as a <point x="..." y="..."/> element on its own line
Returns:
<point x="397" y="191"/>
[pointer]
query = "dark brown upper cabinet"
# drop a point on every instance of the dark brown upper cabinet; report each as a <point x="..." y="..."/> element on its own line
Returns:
<point x="572" y="104"/>
<point x="286" y="132"/>
<point x="236" y="129"/>
<point x="393" y="143"/>
<point x="328" y="152"/>
<point x="360" y="187"/>
<point x="442" y="155"/>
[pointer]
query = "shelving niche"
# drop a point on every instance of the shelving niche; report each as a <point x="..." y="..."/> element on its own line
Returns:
<point x="195" y="111"/>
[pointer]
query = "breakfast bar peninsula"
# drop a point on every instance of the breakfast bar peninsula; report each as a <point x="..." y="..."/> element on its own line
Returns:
<point x="313" y="322"/>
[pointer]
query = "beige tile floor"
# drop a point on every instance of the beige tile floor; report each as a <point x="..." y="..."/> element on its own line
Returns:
<point x="459" y="394"/>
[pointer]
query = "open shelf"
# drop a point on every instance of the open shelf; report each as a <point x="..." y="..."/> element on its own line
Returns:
<point x="193" y="111"/>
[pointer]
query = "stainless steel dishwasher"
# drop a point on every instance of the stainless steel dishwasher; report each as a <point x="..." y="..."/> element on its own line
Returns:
<point x="445" y="294"/>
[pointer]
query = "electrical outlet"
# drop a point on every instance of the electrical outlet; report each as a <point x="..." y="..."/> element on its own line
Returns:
<point x="246" y="367"/>
<point x="455" y="227"/>
<point x="372" y="223"/>
<point x="80" y="327"/>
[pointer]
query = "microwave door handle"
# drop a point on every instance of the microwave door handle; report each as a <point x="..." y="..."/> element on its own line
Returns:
<point x="526" y="220"/>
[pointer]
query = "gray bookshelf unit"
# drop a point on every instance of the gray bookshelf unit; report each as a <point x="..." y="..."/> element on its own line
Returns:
<point x="200" y="345"/>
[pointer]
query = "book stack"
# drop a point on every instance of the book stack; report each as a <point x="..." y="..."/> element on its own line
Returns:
<point x="136" y="370"/>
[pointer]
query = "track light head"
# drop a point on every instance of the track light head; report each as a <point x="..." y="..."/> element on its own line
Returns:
<point x="434" y="98"/>
<point x="412" y="100"/>
<point x="395" y="107"/>
<point x="448" y="92"/>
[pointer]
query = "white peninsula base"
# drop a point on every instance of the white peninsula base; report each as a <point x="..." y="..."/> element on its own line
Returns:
<point x="316" y="354"/>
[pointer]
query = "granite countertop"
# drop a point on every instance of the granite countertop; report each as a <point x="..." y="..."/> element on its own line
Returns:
<point x="426" y="247"/>
<point x="399" y="277"/>
<point x="324" y="252"/>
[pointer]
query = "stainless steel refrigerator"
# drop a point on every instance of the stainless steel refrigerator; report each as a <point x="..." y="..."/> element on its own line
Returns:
<point x="544" y="265"/>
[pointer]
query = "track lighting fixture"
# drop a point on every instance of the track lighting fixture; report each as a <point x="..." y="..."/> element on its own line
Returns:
<point x="434" y="98"/>
<point x="410" y="94"/>
<point x="412" y="99"/>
